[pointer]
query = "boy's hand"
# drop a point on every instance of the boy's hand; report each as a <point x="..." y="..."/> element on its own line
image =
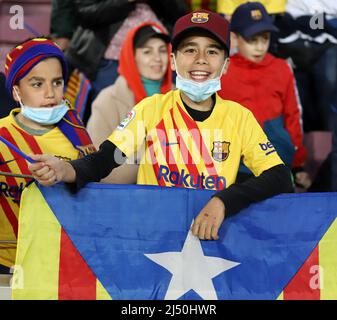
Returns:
<point x="48" y="170"/>
<point x="302" y="179"/>
<point x="207" y="223"/>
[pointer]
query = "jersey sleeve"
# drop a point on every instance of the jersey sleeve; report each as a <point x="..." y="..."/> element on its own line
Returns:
<point x="130" y="133"/>
<point x="258" y="153"/>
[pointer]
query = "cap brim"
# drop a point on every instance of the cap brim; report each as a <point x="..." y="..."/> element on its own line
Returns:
<point x="258" y="28"/>
<point x="178" y="38"/>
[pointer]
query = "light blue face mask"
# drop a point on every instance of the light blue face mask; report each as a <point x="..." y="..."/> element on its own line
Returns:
<point x="198" y="91"/>
<point x="43" y="115"/>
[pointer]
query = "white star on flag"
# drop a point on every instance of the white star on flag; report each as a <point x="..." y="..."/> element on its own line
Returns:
<point x="191" y="269"/>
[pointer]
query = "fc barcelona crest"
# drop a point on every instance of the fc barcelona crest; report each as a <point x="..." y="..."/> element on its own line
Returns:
<point x="256" y="14"/>
<point x="220" y="150"/>
<point x="199" y="17"/>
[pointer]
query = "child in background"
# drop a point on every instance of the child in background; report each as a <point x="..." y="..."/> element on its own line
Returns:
<point x="265" y="85"/>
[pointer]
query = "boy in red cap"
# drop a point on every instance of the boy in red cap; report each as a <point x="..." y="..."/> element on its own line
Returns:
<point x="188" y="137"/>
<point x="266" y="86"/>
<point x="35" y="72"/>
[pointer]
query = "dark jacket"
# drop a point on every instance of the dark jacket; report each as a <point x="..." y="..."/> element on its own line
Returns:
<point x="334" y="149"/>
<point x="92" y="23"/>
<point x="6" y="102"/>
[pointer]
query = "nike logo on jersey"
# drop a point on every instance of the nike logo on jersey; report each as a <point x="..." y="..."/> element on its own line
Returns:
<point x="5" y="162"/>
<point x="167" y="144"/>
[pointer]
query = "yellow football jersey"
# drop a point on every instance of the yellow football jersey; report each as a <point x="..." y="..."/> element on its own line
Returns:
<point x="53" y="142"/>
<point x="178" y="151"/>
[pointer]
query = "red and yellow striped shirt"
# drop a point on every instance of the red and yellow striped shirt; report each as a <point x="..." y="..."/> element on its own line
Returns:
<point x="53" y="142"/>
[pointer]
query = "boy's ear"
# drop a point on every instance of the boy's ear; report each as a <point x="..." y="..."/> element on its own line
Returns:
<point x="15" y="93"/>
<point x="225" y="69"/>
<point x="234" y="40"/>
<point x="173" y="65"/>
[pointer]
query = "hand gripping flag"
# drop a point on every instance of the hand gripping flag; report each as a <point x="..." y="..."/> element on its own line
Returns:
<point x="134" y="242"/>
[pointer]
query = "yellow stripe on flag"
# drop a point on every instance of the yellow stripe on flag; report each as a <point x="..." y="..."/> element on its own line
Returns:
<point x="328" y="263"/>
<point x="280" y="297"/>
<point x="37" y="261"/>
<point x="101" y="293"/>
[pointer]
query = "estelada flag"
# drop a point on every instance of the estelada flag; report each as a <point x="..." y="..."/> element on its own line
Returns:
<point x="77" y="91"/>
<point x="134" y="242"/>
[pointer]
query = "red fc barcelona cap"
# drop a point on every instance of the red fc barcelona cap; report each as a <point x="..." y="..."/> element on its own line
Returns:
<point x="250" y="19"/>
<point x="204" y="20"/>
<point x="24" y="57"/>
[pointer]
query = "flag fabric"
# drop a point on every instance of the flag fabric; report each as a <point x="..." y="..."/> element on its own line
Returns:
<point x="134" y="242"/>
<point x="77" y="91"/>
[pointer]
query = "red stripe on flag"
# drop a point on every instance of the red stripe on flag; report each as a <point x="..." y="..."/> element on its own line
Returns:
<point x="303" y="286"/>
<point x="76" y="279"/>
<point x="154" y="160"/>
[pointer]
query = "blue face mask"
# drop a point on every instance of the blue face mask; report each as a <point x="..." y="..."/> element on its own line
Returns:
<point x="45" y="116"/>
<point x="198" y="91"/>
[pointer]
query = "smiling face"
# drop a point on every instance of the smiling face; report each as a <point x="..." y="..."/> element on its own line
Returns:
<point x="152" y="59"/>
<point x="255" y="48"/>
<point x="42" y="86"/>
<point x="199" y="58"/>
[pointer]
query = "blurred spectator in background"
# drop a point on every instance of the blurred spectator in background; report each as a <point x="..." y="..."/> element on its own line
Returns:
<point x="334" y="148"/>
<point x="308" y="35"/>
<point x="274" y="8"/>
<point x="144" y="70"/>
<point x="227" y="7"/>
<point x="92" y="31"/>
<point x="6" y="102"/>
<point x="265" y="85"/>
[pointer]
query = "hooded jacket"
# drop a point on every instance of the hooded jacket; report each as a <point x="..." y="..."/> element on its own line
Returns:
<point x="114" y="102"/>
<point x="92" y="23"/>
